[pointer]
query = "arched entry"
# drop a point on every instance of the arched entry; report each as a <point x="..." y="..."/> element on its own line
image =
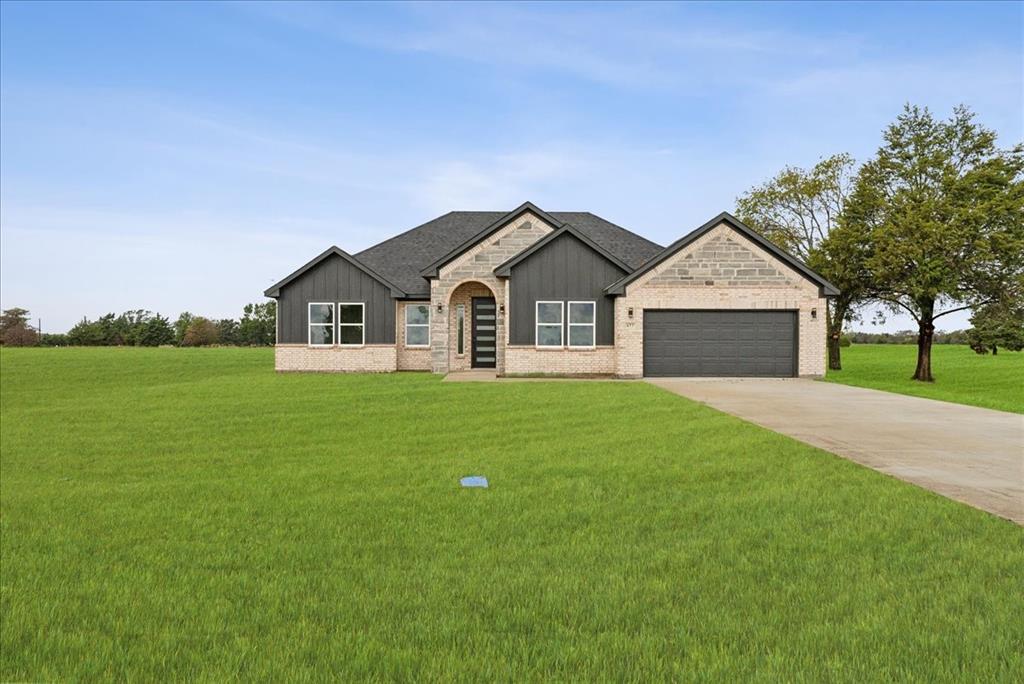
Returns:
<point x="474" y="327"/>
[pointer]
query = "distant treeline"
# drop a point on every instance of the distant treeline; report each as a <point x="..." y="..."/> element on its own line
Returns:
<point x="906" y="337"/>
<point x="142" y="328"/>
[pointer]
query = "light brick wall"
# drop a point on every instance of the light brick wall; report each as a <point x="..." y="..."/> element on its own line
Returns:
<point x="686" y="281"/>
<point x="410" y="358"/>
<point x="525" y="359"/>
<point x="477" y="266"/>
<point x="371" y="358"/>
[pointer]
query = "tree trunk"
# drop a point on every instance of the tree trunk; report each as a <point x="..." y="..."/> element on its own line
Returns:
<point x="995" y="350"/>
<point x="925" y="332"/>
<point x="834" y="361"/>
<point x="834" y="326"/>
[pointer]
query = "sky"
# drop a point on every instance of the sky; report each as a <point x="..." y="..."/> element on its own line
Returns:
<point x="185" y="156"/>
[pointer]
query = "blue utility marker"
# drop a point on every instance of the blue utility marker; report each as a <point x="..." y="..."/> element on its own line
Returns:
<point x="474" y="481"/>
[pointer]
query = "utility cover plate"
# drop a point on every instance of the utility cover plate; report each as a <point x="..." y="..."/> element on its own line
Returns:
<point x="474" y="481"/>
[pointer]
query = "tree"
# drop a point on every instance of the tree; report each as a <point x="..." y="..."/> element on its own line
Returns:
<point x="942" y="209"/>
<point x="155" y="331"/>
<point x="227" y="331"/>
<point x="257" y="325"/>
<point x="15" y="330"/>
<point x="201" y="332"/>
<point x="87" y="333"/>
<point x="1000" y="324"/>
<point x="181" y="326"/>
<point x="802" y="211"/>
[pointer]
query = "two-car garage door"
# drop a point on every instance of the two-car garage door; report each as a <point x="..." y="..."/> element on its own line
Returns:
<point x="720" y="343"/>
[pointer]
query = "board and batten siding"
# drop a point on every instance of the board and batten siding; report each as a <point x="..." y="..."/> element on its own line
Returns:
<point x="335" y="280"/>
<point x="563" y="270"/>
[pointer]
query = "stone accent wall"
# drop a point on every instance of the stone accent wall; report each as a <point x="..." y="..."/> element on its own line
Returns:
<point x="664" y="288"/>
<point x="371" y="358"/>
<point x="477" y="265"/>
<point x="720" y="260"/>
<point x="464" y="295"/>
<point x="410" y="358"/>
<point x="525" y="359"/>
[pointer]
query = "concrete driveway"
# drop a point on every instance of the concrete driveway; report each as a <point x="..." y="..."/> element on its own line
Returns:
<point x="969" y="454"/>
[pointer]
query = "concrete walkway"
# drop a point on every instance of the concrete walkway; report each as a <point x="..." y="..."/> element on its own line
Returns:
<point x="968" y="454"/>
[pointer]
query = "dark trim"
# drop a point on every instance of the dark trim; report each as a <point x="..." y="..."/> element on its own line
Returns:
<point x="274" y="291"/>
<point x="827" y="289"/>
<point x="505" y="269"/>
<point x="796" y="333"/>
<point x="491" y="228"/>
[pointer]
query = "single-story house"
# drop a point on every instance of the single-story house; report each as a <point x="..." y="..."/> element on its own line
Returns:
<point x="530" y="291"/>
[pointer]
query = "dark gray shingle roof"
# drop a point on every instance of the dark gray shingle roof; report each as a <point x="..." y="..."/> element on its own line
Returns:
<point x="401" y="258"/>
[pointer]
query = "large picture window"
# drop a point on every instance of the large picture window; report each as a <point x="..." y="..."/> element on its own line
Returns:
<point x="417" y="325"/>
<point x="321" y="324"/>
<point x="350" y="324"/>
<point x="582" y="324"/>
<point x="549" y="324"/>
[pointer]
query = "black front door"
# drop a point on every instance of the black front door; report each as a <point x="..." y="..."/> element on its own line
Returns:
<point x="485" y="332"/>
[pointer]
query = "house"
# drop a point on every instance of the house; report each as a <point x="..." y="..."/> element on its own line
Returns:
<point x="530" y="291"/>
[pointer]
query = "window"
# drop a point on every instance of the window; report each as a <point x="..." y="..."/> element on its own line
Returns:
<point x="417" y="325"/>
<point x="581" y="324"/>
<point x="549" y="324"/>
<point x="321" y="324"/>
<point x="460" y="329"/>
<point x="350" y="324"/>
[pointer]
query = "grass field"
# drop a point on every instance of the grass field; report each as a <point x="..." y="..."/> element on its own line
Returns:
<point x="189" y="514"/>
<point x="961" y="376"/>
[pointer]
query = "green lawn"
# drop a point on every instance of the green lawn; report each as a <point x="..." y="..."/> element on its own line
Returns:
<point x="961" y="376"/>
<point x="189" y="514"/>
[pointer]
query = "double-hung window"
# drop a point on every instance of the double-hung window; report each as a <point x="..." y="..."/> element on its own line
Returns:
<point x="417" y="325"/>
<point x="321" y="324"/>
<point x="549" y="324"/>
<point x="582" y="324"/>
<point x="350" y="324"/>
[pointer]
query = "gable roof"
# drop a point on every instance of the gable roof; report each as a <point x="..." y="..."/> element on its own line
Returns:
<point x="505" y="269"/>
<point x="402" y="258"/>
<point x="275" y="290"/>
<point x="488" y="230"/>
<point x="827" y="288"/>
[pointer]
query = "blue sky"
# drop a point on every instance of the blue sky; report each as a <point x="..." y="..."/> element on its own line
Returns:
<point x="184" y="156"/>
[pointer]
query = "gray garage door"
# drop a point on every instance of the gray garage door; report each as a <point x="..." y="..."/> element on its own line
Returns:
<point x="720" y="343"/>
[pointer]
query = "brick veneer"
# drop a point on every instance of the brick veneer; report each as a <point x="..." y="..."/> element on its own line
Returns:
<point x="410" y="358"/>
<point x="477" y="265"/>
<point x="668" y="287"/>
<point x="371" y="358"/>
<point x="526" y="359"/>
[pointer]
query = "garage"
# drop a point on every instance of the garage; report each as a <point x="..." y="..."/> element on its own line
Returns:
<point x="691" y="343"/>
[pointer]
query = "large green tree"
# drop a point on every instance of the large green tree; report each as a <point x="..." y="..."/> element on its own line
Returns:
<point x="801" y="210"/>
<point x="257" y="325"/>
<point x="999" y="324"/>
<point x="942" y="207"/>
<point x="15" y="330"/>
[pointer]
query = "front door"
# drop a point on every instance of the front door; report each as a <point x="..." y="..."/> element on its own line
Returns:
<point x="485" y="333"/>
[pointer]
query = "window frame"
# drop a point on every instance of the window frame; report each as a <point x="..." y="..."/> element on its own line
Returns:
<point x="460" y="330"/>
<point x="361" y="324"/>
<point x="537" y="324"/>
<point x="592" y="325"/>
<point x="416" y="325"/>
<point x="310" y="324"/>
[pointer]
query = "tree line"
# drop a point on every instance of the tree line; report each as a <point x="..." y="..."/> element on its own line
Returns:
<point x="931" y="224"/>
<point x="142" y="328"/>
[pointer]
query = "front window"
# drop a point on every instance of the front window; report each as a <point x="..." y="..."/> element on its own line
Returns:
<point x="549" y="324"/>
<point x="581" y="324"/>
<point x="460" y="326"/>
<point x="350" y="324"/>
<point x="321" y="324"/>
<point x="417" y="325"/>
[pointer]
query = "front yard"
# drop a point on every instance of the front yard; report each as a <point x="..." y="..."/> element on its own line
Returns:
<point x="181" y="514"/>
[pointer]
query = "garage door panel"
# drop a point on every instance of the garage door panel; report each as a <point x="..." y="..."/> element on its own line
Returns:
<point x="719" y="343"/>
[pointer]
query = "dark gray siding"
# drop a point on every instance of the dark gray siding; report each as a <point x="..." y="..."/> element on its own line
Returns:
<point x="335" y="280"/>
<point x="564" y="270"/>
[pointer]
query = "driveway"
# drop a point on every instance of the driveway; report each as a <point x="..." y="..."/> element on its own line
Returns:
<point x="968" y="454"/>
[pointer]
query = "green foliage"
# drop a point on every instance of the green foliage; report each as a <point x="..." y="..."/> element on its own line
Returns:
<point x="963" y="377"/>
<point x="906" y="337"/>
<point x="53" y="340"/>
<point x="136" y="328"/>
<point x="155" y="331"/>
<point x="257" y="325"/>
<point x="15" y="330"/>
<point x="227" y="331"/>
<point x="195" y="516"/>
<point x="997" y="326"/>
<point x="181" y="326"/>
<point x="201" y="332"/>
<point x="845" y="341"/>
<point x="941" y="207"/>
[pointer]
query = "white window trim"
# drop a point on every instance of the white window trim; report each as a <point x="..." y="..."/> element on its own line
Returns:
<point x="537" y="324"/>
<point x="361" y="324"/>
<point x="569" y="325"/>
<point x="416" y="325"/>
<point x="310" y="324"/>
